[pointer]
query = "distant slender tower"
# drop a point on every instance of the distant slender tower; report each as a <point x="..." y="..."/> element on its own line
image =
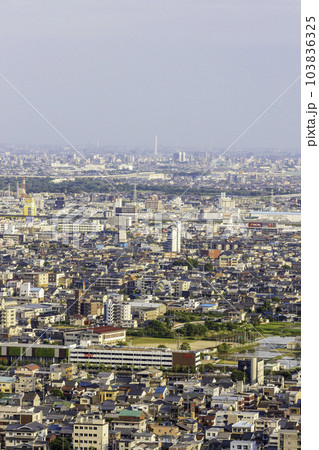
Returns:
<point x="155" y="146"/>
<point x="23" y="193"/>
<point x="272" y="200"/>
<point x="135" y="195"/>
<point x="17" y="189"/>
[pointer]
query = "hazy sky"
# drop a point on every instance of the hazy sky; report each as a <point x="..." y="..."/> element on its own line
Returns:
<point x="194" y="72"/>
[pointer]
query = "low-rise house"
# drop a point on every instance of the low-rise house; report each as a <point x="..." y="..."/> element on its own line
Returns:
<point x="31" y="435"/>
<point x="242" y="426"/>
<point x="130" y="420"/>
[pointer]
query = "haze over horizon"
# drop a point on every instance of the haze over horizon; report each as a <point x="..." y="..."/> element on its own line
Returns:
<point x="195" y="74"/>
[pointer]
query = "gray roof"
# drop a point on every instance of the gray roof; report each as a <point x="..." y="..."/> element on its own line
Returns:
<point x="32" y="426"/>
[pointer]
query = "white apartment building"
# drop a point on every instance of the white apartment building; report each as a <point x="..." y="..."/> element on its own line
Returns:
<point x="174" y="239"/>
<point x="7" y="316"/>
<point x="243" y="445"/>
<point x="116" y="311"/>
<point x="90" y="431"/>
<point x="27" y="290"/>
<point x="24" y="384"/>
<point x="242" y="426"/>
<point x="225" y="202"/>
<point x="231" y="417"/>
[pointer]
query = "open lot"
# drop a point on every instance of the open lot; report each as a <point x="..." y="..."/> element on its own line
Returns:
<point x="170" y="343"/>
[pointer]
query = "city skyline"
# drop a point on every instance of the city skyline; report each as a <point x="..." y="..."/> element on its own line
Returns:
<point x="152" y="286"/>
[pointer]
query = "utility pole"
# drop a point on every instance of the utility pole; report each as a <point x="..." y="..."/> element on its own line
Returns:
<point x="178" y="341"/>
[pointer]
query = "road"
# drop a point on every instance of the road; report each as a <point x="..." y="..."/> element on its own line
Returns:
<point x="176" y="326"/>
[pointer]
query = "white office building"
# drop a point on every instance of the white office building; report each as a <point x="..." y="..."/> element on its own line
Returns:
<point x="134" y="356"/>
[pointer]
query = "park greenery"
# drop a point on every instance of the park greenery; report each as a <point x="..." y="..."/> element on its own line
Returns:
<point x="211" y="328"/>
<point x="155" y="328"/>
<point x="99" y="185"/>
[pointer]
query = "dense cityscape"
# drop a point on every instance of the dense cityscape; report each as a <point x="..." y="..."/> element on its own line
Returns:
<point x="150" y="298"/>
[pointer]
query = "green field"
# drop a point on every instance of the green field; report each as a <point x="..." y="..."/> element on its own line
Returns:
<point x="227" y="362"/>
<point x="279" y="329"/>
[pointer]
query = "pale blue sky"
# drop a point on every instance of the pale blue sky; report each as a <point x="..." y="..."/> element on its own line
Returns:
<point x="194" y="72"/>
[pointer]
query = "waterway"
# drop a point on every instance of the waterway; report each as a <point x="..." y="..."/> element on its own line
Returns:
<point x="269" y="348"/>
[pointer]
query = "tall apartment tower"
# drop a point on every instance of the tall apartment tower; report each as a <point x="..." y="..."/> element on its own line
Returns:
<point x="173" y="243"/>
<point x="74" y="305"/>
<point x="116" y="311"/>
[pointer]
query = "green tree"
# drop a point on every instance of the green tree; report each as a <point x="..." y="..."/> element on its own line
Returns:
<point x="223" y="348"/>
<point x="208" y="267"/>
<point x="256" y="322"/>
<point x="58" y="393"/>
<point x="60" y="443"/>
<point x="185" y="346"/>
<point x="237" y="375"/>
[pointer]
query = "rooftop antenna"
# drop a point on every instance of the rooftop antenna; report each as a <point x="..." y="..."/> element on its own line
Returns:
<point x="155" y="146"/>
